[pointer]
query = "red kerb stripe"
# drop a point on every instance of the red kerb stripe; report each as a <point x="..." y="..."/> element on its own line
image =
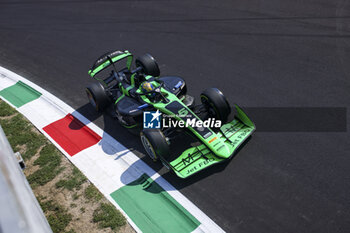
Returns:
<point x="71" y="134"/>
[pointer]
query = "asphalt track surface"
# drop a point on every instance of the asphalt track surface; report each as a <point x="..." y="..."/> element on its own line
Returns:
<point x="259" y="53"/>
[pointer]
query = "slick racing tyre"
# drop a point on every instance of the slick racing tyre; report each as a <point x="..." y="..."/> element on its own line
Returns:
<point x="148" y="64"/>
<point x="97" y="96"/>
<point x="216" y="103"/>
<point x="155" y="143"/>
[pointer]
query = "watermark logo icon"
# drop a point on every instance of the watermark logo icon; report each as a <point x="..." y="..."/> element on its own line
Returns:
<point x="151" y="120"/>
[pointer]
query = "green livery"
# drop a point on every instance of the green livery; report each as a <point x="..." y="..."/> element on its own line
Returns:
<point x="231" y="135"/>
<point x="129" y="92"/>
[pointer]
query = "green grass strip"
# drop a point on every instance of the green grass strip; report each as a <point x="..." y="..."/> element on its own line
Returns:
<point x="152" y="209"/>
<point x="19" y="94"/>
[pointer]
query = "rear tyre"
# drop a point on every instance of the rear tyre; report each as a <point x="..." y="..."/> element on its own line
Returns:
<point x="216" y="103"/>
<point x="155" y="144"/>
<point x="97" y="96"/>
<point x="148" y="64"/>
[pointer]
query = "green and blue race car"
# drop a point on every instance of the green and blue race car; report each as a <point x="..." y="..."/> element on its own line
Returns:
<point x="138" y="92"/>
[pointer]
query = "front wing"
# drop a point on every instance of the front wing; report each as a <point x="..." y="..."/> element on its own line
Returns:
<point x="195" y="159"/>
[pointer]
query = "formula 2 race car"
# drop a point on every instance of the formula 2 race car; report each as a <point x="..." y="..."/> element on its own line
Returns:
<point x="139" y="97"/>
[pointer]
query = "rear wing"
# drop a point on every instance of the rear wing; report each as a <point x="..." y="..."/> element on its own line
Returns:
<point x="103" y="61"/>
<point x="195" y="159"/>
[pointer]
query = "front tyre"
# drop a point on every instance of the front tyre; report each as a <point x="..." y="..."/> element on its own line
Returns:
<point x="216" y="104"/>
<point x="148" y="64"/>
<point x="155" y="143"/>
<point x="97" y="96"/>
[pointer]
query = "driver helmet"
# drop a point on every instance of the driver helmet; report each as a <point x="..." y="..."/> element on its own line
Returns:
<point x="147" y="86"/>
